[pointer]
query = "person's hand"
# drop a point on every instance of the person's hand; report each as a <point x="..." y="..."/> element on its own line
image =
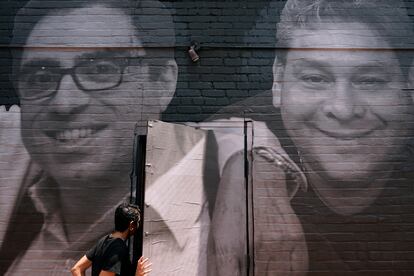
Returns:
<point x="14" y="163"/>
<point x="143" y="267"/>
<point x="279" y="239"/>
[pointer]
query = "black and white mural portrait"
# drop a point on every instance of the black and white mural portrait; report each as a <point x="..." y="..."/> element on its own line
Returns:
<point x="342" y="79"/>
<point x="86" y="82"/>
<point x="296" y="157"/>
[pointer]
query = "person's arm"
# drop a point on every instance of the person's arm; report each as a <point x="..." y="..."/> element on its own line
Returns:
<point x="106" y="273"/>
<point x="143" y="267"/>
<point x="81" y="266"/>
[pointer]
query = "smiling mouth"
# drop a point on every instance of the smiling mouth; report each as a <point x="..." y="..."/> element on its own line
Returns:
<point x="70" y="135"/>
<point x="346" y="135"/>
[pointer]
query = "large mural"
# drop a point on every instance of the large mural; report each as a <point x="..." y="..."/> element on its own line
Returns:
<point x="288" y="149"/>
<point x="85" y="86"/>
<point x="342" y="87"/>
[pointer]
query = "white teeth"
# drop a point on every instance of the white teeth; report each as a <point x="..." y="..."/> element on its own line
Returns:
<point x="74" y="134"/>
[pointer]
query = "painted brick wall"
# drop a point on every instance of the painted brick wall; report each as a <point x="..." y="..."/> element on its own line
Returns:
<point x="327" y="84"/>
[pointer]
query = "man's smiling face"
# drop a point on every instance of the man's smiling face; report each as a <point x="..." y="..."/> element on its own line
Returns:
<point x="342" y="104"/>
<point x="79" y="122"/>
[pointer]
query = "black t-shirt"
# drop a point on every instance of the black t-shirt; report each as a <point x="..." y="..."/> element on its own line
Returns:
<point x="110" y="254"/>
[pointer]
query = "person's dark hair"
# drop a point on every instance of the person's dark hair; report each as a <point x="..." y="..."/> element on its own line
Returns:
<point x="388" y="18"/>
<point x="124" y="214"/>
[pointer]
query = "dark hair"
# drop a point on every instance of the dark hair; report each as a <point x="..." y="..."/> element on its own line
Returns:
<point x="152" y="20"/>
<point x="389" y="18"/>
<point x="124" y="214"/>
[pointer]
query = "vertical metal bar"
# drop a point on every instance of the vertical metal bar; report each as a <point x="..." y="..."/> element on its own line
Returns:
<point x="137" y="191"/>
<point x="246" y="182"/>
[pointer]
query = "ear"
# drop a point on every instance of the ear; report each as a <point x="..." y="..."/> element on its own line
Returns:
<point x="131" y="225"/>
<point x="278" y="69"/>
<point x="167" y="80"/>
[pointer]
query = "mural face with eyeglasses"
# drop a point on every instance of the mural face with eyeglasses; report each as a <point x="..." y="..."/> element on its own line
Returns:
<point x="71" y="106"/>
<point x="85" y="86"/>
<point x="82" y="100"/>
<point x="70" y="103"/>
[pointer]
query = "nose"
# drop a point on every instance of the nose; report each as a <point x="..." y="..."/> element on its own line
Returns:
<point x="344" y="104"/>
<point x="69" y="99"/>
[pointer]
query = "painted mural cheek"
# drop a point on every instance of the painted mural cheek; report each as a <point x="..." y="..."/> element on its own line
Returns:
<point x="303" y="97"/>
<point x="393" y="108"/>
<point x="62" y="144"/>
<point x="124" y="109"/>
<point x="31" y="138"/>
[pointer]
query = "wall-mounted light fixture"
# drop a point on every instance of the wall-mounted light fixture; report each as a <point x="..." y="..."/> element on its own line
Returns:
<point x="192" y="51"/>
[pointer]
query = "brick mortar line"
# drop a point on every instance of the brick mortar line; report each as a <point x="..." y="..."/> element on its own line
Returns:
<point x="207" y="47"/>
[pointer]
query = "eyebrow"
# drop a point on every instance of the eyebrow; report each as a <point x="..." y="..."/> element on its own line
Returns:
<point x="373" y="66"/>
<point x="27" y="66"/>
<point x="309" y="63"/>
<point x="313" y="63"/>
<point x="50" y="62"/>
<point x="108" y="53"/>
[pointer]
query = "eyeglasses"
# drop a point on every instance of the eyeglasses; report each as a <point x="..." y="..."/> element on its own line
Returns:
<point x="38" y="82"/>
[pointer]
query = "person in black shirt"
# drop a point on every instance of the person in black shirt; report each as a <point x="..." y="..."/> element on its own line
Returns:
<point x="110" y="255"/>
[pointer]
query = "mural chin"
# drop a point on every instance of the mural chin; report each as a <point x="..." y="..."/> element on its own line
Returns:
<point x="70" y="156"/>
<point x="361" y="160"/>
<point x="340" y="169"/>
